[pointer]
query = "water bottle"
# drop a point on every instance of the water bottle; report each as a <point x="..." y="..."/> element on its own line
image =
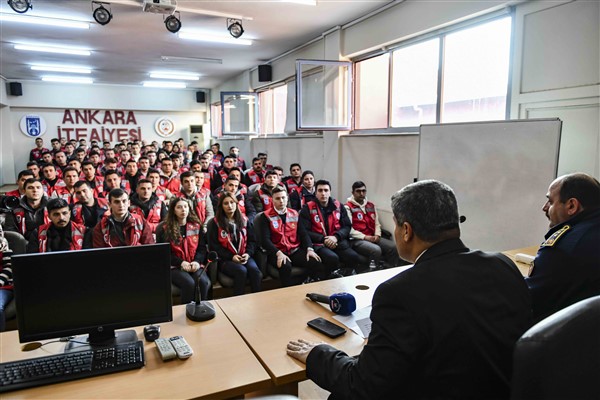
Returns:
<point x="372" y="265"/>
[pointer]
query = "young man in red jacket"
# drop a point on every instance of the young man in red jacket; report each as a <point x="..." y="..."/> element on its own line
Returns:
<point x="120" y="227"/>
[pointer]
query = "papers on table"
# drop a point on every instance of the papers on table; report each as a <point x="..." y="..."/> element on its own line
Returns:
<point x="359" y="321"/>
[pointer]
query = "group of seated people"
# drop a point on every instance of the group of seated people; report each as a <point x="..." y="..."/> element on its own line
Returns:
<point x="198" y="202"/>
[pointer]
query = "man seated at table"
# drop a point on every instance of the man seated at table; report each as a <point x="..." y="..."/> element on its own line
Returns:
<point x="60" y="234"/>
<point x="286" y="241"/>
<point x="567" y="266"/>
<point x="365" y="234"/>
<point x="445" y="328"/>
<point x="120" y="227"/>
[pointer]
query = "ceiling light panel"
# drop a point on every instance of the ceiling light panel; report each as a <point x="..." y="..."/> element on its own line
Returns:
<point x="174" y="75"/>
<point x="67" y="79"/>
<point x="56" y="68"/>
<point x="52" y="49"/>
<point x="58" y="22"/>
<point x="164" y="84"/>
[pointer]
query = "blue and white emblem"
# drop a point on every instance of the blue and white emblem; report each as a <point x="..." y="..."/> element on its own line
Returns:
<point x="32" y="125"/>
<point x="275" y="224"/>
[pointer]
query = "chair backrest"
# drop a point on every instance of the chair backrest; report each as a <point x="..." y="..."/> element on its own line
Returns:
<point x="16" y="242"/>
<point x="559" y="357"/>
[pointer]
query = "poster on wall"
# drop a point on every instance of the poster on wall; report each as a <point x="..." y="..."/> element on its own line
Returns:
<point x="33" y="125"/>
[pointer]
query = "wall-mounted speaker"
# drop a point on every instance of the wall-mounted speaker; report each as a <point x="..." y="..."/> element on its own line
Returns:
<point x="201" y="97"/>
<point x="15" y="89"/>
<point x="264" y="73"/>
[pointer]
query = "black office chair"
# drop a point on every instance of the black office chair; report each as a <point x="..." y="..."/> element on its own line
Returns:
<point x="260" y="256"/>
<point x="18" y="244"/>
<point x="559" y="357"/>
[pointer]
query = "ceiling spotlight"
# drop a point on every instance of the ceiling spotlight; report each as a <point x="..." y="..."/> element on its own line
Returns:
<point x="234" y="26"/>
<point x="173" y="23"/>
<point x="101" y="14"/>
<point x="20" y="6"/>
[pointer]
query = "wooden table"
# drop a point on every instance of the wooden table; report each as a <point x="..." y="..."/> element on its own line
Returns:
<point x="222" y="367"/>
<point x="523" y="267"/>
<point x="268" y="320"/>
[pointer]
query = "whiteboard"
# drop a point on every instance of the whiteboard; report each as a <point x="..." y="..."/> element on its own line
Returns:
<point x="500" y="172"/>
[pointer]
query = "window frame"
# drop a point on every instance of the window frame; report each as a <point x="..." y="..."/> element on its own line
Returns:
<point x="506" y="12"/>
<point x="223" y="102"/>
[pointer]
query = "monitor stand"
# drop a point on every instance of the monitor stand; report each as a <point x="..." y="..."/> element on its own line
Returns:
<point x="101" y="339"/>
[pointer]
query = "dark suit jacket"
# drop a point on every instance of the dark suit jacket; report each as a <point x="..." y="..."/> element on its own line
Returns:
<point x="443" y="329"/>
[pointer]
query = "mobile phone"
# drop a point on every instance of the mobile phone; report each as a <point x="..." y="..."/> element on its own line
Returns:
<point x="325" y="327"/>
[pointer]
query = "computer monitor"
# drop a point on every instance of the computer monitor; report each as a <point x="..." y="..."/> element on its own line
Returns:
<point x="93" y="292"/>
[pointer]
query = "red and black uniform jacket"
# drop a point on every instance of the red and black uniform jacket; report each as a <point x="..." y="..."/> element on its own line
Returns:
<point x="199" y="200"/>
<point x="252" y="177"/>
<point x="282" y="232"/>
<point x="300" y="197"/>
<point x="135" y="232"/>
<point x="89" y="216"/>
<point x="363" y="221"/>
<point x="75" y="232"/>
<point x="28" y="219"/>
<point x="291" y="185"/>
<point x="153" y="211"/>
<point x="190" y="248"/>
<point x="331" y="220"/>
<point x="228" y="244"/>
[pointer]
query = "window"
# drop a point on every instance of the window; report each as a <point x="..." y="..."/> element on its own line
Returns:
<point x="273" y="110"/>
<point x="215" y="120"/>
<point x="415" y="84"/>
<point x="455" y="75"/>
<point x="371" y="92"/>
<point x="239" y="112"/>
<point x="476" y="73"/>
<point x="323" y="90"/>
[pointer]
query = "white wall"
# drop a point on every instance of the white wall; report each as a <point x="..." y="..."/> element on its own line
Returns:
<point x="50" y="100"/>
<point x="555" y="73"/>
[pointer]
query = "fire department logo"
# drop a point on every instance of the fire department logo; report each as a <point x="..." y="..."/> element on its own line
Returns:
<point x="165" y="127"/>
<point x="266" y="200"/>
<point x="79" y="242"/>
<point x="317" y="219"/>
<point x="223" y="234"/>
<point x="359" y="216"/>
<point x="337" y="215"/>
<point x="275" y="224"/>
<point x="33" y="125"/>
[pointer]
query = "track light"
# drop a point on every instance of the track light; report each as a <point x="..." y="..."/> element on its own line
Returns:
<point x="173" y="23"/>
<point x="101" y="14"/>
<point x="234" y="26"/>
<point x="20" y="6"/>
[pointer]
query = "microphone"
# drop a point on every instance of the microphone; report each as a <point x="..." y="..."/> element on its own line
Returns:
<point x="199" y="310"/>
<point x="340" y="303"/>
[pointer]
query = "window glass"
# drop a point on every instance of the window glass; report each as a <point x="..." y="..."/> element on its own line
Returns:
<point x="280" y="94"/>
<point x="266" y="112"/>
<point x="414" y="84"/>
<point x="476" y="68"/>
<point x="215" y="120"/>
<point x="371" y="92"/>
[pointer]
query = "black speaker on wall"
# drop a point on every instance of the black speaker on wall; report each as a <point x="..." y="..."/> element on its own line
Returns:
<point x="264" y="73"/>
<point x="15" y="89"/>
<point x="201" y="97"/>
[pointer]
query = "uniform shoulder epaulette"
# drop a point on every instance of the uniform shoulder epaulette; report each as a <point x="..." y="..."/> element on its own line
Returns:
<point x="551" y="241"/>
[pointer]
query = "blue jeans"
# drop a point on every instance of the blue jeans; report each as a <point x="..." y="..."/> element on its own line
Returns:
<point x="239" y="273"/>
<point x="6" y="295"/>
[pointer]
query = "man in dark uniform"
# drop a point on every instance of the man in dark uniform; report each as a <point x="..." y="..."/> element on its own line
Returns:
<point x="567" y="266"/>
<point x="445" y="328"/>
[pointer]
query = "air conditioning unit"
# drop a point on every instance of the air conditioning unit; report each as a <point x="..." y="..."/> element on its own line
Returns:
<point x="160" y="6"/>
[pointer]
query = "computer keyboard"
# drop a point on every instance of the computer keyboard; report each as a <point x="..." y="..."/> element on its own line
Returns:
<point x="63" y="367"/>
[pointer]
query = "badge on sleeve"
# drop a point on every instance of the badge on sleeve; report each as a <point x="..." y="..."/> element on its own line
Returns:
<point x="359" y="216"/>
<point x="551" y="241"/>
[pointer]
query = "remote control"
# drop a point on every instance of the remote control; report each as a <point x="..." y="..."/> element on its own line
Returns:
<point x="182" y="348"/>
<point x="166" y="350"/>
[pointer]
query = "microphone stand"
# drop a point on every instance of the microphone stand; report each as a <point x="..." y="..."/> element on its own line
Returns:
<point x="199" y="310"/>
